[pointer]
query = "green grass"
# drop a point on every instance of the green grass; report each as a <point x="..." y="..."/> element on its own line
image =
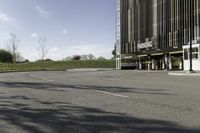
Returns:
<point x="57" y="65"/>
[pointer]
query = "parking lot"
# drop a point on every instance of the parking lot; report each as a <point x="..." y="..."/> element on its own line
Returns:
<point x="99" y="102"/>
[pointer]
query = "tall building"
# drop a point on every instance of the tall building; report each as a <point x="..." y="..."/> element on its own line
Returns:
<point x="155" y="34"/>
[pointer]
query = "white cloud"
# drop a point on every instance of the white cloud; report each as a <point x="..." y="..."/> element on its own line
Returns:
<point x="54" y="49"/>
<point x="4" y="36"/>
<point x="64" y="31"/>
<point x="5" y="18"/>
<point x="34" y="35"/>
<point x="43" y="12"/>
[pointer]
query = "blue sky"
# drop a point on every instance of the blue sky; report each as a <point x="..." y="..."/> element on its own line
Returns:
<point x="70" y="26"/>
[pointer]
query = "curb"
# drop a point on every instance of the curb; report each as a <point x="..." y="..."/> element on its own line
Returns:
<point x="82" y="70"/>
<point x="149" y="71"/>
<point x="106" y="69"/>
<point x="89" y="69"/>
<point x="184" y="74"/>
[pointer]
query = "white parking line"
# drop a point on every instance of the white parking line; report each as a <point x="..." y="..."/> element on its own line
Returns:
<point x="49" y="80"/>
<point x="43" y="78"/>
<point x="112" y="94"/>
<point x="75" y="103"/>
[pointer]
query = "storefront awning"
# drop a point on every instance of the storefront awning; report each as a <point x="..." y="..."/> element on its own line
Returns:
<point x="142" y="55"/>
<point x="176" y="52"/>
<point x="157" y="54"/>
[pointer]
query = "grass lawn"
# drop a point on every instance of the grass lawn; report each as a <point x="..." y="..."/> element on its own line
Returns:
<point x="57" y="65"/>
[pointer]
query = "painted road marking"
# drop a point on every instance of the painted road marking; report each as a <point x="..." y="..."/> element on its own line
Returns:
<point x="43" y="78"/>
<point x="112" y="94"/>
<point x="75" y="103"/>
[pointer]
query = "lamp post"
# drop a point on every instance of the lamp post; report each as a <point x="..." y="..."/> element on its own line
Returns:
<point x="190" y="13"/>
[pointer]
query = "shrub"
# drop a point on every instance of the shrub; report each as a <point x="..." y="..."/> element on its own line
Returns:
<point x="101" y="58"/>
<point x="76" y="57"/>
<point x="48" y="60"/>
<point x="5" y="56"/>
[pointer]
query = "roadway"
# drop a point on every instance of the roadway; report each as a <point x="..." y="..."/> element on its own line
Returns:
<point x="99" y="102"/>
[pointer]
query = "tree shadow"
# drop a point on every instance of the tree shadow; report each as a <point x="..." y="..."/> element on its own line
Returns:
<point x="61" y="117"/>
<point x="62" y="87"/>
<point x="33" y="85"/>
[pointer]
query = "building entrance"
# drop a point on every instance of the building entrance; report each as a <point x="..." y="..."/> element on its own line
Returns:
<point x="176" y="61"/>
<point x="143" y="62"/>
<point x="157" y="62"/>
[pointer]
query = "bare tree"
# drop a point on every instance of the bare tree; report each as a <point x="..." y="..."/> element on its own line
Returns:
<point x="13" y="45"/>
<point x="91" y="57"/>
<point x="43" y="51"/>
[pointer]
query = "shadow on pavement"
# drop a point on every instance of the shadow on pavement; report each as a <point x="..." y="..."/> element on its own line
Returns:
<point x="61" y="117"/>
<point x="62" y="87"/>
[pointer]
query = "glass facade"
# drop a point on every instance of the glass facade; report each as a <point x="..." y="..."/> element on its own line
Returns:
<point x="164" y="22"/>
<point x="146" y="27"/>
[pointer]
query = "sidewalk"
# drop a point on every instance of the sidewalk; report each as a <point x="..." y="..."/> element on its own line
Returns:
<point x="184" y="73"/>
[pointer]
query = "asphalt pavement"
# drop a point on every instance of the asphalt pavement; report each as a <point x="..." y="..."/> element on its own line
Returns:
<point x="109" y="101"/>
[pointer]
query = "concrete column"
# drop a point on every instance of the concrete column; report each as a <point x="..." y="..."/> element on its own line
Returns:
<point x="140" y="64"/>
<point x="157" y="65"/>
<point x="153" y="64"/>
<point x="117" y="63"/>
<point x="149" y="67"/>
<point x="163" y="63"/>
<point x="149" y="62"/>
<point x="170" y="62"/>
<point x="166" y="62"/>
<point x="180" y="65"/>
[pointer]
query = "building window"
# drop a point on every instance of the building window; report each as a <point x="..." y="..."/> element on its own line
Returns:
<point x="186" y="54"/>
<point x="195" y="53"/>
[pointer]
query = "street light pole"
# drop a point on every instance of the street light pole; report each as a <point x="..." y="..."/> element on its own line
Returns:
<point x="190" y="26"/>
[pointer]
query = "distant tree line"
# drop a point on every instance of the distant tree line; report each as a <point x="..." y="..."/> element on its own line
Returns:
<point x="84" y="57"/>
<point x="11" y="54"/>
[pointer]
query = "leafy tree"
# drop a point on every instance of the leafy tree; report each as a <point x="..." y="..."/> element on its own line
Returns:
<point x="68" y="58"/>
<point x="101" y="58"/>
<point x="5" y="56"/>
<point x="76" y="57"/>
<point x="114" y="52"/>
<point x="48" y="59"/>
<point x="26" y="60"/>
<point x="19" y="58"/>
<point x="91" y="57"/>
<point x="84" y="57"/>
<point x="88" y="57"/>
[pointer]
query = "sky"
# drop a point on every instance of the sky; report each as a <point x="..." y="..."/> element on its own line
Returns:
<point x="71" y="27"/>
